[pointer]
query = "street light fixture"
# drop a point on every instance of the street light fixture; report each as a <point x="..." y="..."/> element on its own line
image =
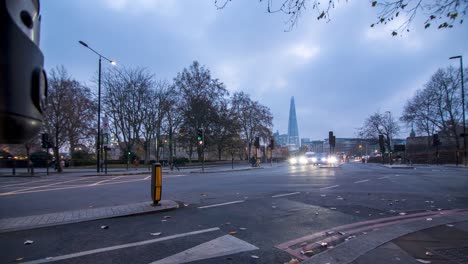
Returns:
<point x="98" y="141"/>
<point x="463" y="104"/>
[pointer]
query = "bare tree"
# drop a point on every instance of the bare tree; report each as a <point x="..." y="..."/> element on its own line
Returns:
<point x="69" y="110"/>
<point x="255" y="119"/>
<point x="127" y="91"/>
<point x="200" y="96"/>
<point x="380" y="124"/>
<point x="443" y="13"/>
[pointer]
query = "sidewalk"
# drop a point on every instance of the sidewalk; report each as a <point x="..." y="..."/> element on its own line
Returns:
<point x="60" y="218"/>
<point x="445" y="238"/>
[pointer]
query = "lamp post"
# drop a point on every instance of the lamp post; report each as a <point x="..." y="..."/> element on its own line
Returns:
<point x="98" y="141"/>
<point x="463" y="104"/>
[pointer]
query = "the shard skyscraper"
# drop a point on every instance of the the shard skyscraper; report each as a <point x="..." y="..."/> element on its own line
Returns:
<point x="293" y="131"/>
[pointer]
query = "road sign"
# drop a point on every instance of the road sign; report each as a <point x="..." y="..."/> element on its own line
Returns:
<point x="105" y="125"/>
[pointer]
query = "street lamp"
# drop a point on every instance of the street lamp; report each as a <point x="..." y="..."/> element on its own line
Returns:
<point x="98" y="142"/>
<point x="463" y="104"/>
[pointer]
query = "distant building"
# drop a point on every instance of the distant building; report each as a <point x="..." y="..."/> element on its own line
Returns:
<point x="305" y="141"/>
<point x="358" y="146"/>
<point x="314" y="145"/>
<point x="280" y="139"/>
<point x="293" y="130"/>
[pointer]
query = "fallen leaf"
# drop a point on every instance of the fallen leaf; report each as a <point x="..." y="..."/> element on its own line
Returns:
<point x="273" y="206"/>
<point x="228" y="223"/>
<point x="323" y="195"/>
<point x="429" y="219"/>
<point x="156" y="234"/>
<point x="303" y="244"/>
<point x="342" y="233"/>
<point x="104" y="227"/>
<point x="330" y="233"/>
<point x="292" y="261"/>
<point x="307" y="252"/>
<point x="323" y="244"/>
<point x="28" y="242"/>
<point x="242" y="228"/>
<point x="402" y="213"/>
<point x="49" y="258"/>
<point x="332" y="208"/>
<point x="186" y="204"/>
<point x="167" y="216"/>
<point x="357" y="212"/>
<point x="19" y="259"/>
<point x="255" y="257"/>
<point x="233" y="233"/>
<point x="163" y="220"/>
<point x="429" y="254"/>
<point x="449" y="225"/>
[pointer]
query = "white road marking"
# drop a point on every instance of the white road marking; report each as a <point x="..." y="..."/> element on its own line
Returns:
<point x="221" y="204"/>
<point x="362" y="181"/>
<point x="38" y="187"/>
<point x="221" y="246"/>
<point x="100" y="250"/>
<point x="148" y="177"/>
<point x="384" y="177"/>
<point x="329" y="187"/>
<point x="99" y="182"/>
<point x="286" y="194"/>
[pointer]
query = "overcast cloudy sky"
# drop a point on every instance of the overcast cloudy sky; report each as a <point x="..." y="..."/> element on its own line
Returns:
<point x="339" y="72"/>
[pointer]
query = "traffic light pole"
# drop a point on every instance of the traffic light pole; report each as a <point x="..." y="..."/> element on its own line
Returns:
<point x="203" y="150"/>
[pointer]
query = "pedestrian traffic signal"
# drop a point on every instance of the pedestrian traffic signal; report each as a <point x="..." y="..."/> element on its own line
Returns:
<point x="435" y="140"/>
<point x="331" y="139"/>
<point x="129" y="153"/>
<point x="200" y="142"/>
<point x="272" y="144"/>
<point x="257" y="142"/>
<point x="199" y="134"/>
<point x="381" y="143"/>
<point x="45" y="140"/>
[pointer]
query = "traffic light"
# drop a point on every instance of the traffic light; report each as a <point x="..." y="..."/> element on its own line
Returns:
<point x="331" y="139"/>
<point x="200" y="136"/>
<point x="381" y="143"/>
<point x="435" y="140"/>
<point x="129" y="153"/>
<point x="257" y="142"/>
<point x="272" y="144"/>
<point x="45" y="140"/>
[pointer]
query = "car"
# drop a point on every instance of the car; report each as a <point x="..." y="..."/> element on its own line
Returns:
<point x="300" y="160"/>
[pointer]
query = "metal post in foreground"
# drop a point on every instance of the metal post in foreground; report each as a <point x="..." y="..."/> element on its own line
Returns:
<point x="463" y="106"/>
<point x="156" y="183"/>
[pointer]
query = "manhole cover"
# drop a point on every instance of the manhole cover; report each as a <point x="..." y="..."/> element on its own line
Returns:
<point x="459" y="255"/>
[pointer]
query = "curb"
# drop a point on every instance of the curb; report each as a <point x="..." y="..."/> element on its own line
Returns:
<point x="349" y="251"/>
<point x="200" y="172"/>
<point x="398" y="167"/>
<point x="47" y="220"/>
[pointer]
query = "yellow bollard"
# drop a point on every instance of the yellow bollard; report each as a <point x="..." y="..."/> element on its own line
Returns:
<point x="156" y="183"/>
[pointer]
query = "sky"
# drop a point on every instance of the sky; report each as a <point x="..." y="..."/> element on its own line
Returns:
<point x="340" y="72"/>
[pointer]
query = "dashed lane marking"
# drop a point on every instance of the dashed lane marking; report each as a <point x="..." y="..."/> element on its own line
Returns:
<point x="329" y="187"/>
<point x="221" y="204"/>
<point x="384" y="177"/>
<point x="285" y="194"/>
<point x="100" y="250"/>
<point x="362" y="181"/>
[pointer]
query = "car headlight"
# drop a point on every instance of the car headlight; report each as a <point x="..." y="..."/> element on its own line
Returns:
<point x="302" y="160"/>
<point x="324" y="159"/>
<point x="293" y="160"/>
<point x="314" y="159"/>
<point x="332" y="160"/>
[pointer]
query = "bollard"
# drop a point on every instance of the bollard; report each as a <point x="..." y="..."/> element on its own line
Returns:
<point x="156" y="183"/>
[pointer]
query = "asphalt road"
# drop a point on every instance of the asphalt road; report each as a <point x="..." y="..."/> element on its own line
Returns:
<point x="264" y="207"/>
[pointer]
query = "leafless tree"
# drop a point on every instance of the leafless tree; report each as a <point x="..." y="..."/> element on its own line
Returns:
<point x="437" y="107"/>
<point x="443" y="13"/>
<point x="255" y="119"/>
<point x="200" y="97"/>
<point x="70" y="111"/>
<point x="127" y="91"/>
<point x="380" y="124"/>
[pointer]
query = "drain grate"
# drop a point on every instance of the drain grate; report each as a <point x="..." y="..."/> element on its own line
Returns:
<point x="459" y="255"/>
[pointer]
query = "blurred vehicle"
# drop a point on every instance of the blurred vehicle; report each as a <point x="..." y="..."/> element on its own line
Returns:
<point x="299" y="160"/>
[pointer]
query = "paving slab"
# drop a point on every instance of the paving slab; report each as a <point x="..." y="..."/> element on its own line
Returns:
<point x="60" y="218"/>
